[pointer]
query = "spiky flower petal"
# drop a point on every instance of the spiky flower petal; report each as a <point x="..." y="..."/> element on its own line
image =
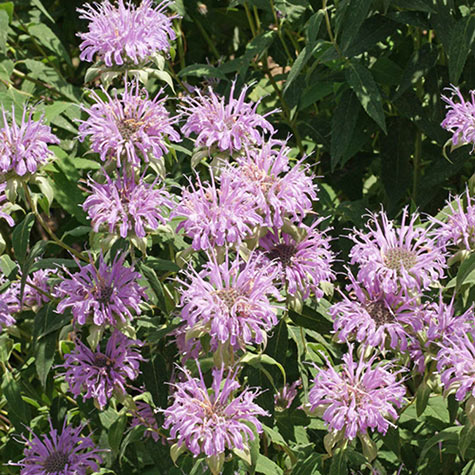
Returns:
<point x="210" y="420"/>
<point x="357" y="397"/>
<point x="104" y="295"/>
<point x="124" y="32"/>
<point x="97" y="374"/>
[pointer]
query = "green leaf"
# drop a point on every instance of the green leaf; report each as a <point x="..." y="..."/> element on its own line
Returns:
<point x="42" y="9"/>
<point x="116" y="433"/>
<point x="18" y="410"/>
<point x="257" y="360"/>
<point x="8" y="267"/>
<point x="202" y="70"/>
<point x="48" y="321"/>
<point x="155" y="378"/>
<point x="7" y="7"/>
<point x="466" y="272"/>
<point x="363" y="84"/>
<point x="467" y="438"/>
<point x="45" y="349"/>
<point x="21" y="237"/>
<point x="267" y="466"/>
<point x="461" y="41"/>
<point x="422" y="398"/>
<point x="3" y="30"/>
<point x="339" y="463"/>
<point x="313" y="25"/>
<point x="162" y="265"/>
<point x="344" y="122"/>
<point x="278" y="344"/>
<point x="48" y="39"/>
<point x="448" y="434"/>
<point x="350" y="16"/>
<point x="311" y="319"/>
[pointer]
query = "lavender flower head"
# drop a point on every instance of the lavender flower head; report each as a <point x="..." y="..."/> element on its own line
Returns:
<point x="103" y="295"/>
<point x="230" y="301"/>
<point x="60" y="454"/>
<point x="456" y="363"/>
<point x="128" y="127"/>
<point x="229" y="125"/>
<point x="123" y="206"/>
<point x="302" y="264"/>
<point x="357" y="397"/>
<point x="460" y="118"/>
<point x="144" y="415"/>
<point x="285" y="397"/>
<point x="216" y="215"/>
<point x="458" y="227"/>
<point x="32" y="297"/>
<point x="24" y="147"/>
<point x="374" y="318"/>
<point x="276" y="190"/>
<point x="209" y="421"/>
<point x="9" y="303"/>
<point x="125" y="33"/>
<point x="399" y="258"/>
<point x="100" y="375"/>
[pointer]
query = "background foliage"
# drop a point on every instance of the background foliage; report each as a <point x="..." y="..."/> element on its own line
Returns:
<point x="358" y="85"/>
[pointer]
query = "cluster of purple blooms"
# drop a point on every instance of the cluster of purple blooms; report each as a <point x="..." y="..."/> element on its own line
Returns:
<point x="262" y="244"/>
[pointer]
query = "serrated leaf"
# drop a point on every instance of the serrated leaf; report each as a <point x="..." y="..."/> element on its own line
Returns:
<point x="4" y="20"/>
<point x="18" y="410"/>
<point x="313" y="25"/>
<point x="466" y="272"/>
<point x="202" y="70"/>
<point x="461" y="41"/>
<point x="45" y="349"/>
<point x="267" y="466"/>
<point x="355" y="13"/>
<point x="21" y="237"/>
<point x="364" y="86"/>
<point x="344" y="121"/>
<point x="48" y="38"/>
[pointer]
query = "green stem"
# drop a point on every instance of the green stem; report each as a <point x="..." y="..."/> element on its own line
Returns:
<point x="45" y="226"/>
<point x="24" y="76"/>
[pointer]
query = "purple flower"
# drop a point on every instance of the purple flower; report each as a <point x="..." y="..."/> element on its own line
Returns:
<point x="302" y="264"/>
<point x="9" y="303"/>
<point x="216" y="215"/>
<point x="24" y="147"/>
<point x="125" y="33"/>
<point x="231" y="124"/>
<point x="100" y="375"/>
<point x="460" y="118"/>
<point x="404" y="258"/>
<point x="284" y="398"/>
<point x="276" y="190"/>
<point x="124" y="206"/>
<point x="458" y="226"/>
<point x="104" y="295"/>
<point x="35" y="283"/>
<point x="456" y="363"/>
<point x="212" y="420"/>
<point x="188" y="347"/>
<point x="357" y="397"/>
<point x="3" y="198"/>
<point x="230" y="301"/>
<point x="128" y="127"/>
<point x="60" y="454"/>
<point x="374" y="318"/>
<point x="144" y="415"/>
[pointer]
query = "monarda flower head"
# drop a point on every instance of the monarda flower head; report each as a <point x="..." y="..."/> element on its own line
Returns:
<point x="216" y="214"/>
<point x="210" y="420"/>
<point x="232" y="301"/>
<point x="302" y="263"/>
<point x="125" y="207"/>
<point x="125" y="33"/>
<point x="24" y="146"/>
<point x="104" y="295"/>
<point x="9" y="303"/>
<point x="3" y="199"/>
<point x="460" y="118"/>
<point x="100" y="375"/>
<point x="456" y="363"/>
<point x="229" y="125"/>
<point x="37" y="288"/>
<point x="276" y="190"/>
<point x="128" y="127"/>
<point x="357" y="397"/>
<point x="457" y="227"/>
<point x="284" y="398"/>
<point x="64" y="453"/>
<point x="373" y="317"/>
<point x="399" y="258"/>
